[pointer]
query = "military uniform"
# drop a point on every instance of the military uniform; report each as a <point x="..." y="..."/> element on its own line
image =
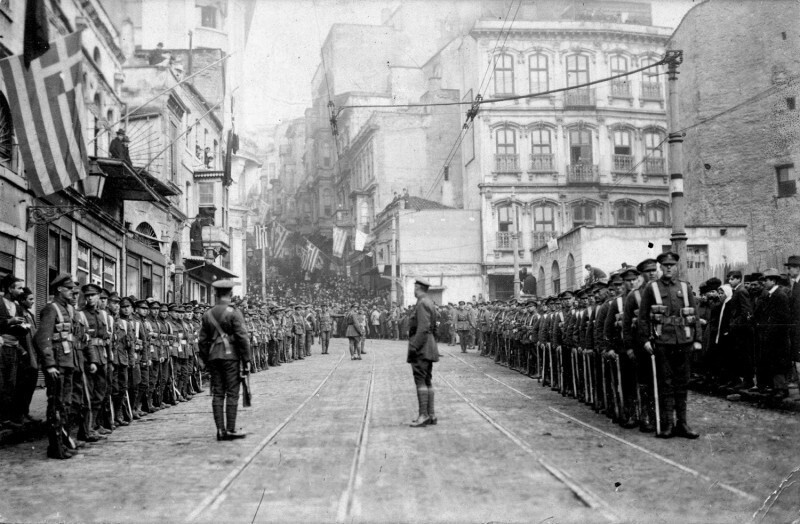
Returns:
<point x="462" y="326"/>
<point x="423" y="352"/>
<point x="325" y="324"/>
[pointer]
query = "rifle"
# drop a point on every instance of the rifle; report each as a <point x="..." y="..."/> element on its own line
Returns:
<point x="605" y="390"/>
<point x="619" y="389"/>
<point x="172" y="373"/>
<point x="561" y="386"/>
<point x="574" y="360"/>
<point x="128" y="405"/>
<point x="247" y="396"/>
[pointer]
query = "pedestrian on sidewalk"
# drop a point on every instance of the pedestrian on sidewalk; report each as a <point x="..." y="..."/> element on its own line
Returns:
<point x="225" y="350"/>
<point x="423" y="351"/>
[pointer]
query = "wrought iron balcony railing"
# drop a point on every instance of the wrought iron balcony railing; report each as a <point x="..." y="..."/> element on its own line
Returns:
<point x="580" y="98"/>
<point x="583" y="174"/>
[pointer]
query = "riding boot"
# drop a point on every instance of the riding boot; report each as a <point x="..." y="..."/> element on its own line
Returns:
<point x="431" y="412"/>
<point x="647" y="409"/>
<point x="423" y="419"/>
<point x="682" y="428"/>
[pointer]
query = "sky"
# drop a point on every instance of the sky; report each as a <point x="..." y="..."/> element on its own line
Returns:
<point x="282" y="54"/>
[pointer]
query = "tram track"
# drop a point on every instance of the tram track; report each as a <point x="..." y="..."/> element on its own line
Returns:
<point x="217" y="494"/>
<point x="641" y="449"/>
<point x="580" y="490"/>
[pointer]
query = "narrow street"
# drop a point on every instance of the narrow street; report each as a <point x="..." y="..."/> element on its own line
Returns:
<point x="329" y="441"/>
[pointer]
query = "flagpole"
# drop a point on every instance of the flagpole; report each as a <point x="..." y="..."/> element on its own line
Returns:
<point x="263" y="272"/>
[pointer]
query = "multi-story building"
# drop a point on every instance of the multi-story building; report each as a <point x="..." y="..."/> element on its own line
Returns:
<point x="737" y="99"/>
<point x="74" y="230"/>
<point x="541" y="166"/>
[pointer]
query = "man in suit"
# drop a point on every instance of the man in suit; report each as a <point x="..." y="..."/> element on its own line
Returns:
<point x="225" y="350"/>
<point x="423" y="352"/>
<point x="774" y="326"/>
<point x="741" y="307"/>
<point x="793" y="267"/>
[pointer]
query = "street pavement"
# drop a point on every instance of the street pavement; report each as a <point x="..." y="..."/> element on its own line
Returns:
<point x="328" y="440"/>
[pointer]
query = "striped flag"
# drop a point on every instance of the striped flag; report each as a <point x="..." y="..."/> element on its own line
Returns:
<point x="360" y="240"/>
<point x="47" y="107"/>
<point x="339" y="240"/>
<point x="311" y="257"/>
<point x="279" y="236"/>
<point x="262" y="237"/>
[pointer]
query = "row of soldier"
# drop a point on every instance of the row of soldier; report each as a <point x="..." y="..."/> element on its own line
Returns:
<point x="604" y="343"/>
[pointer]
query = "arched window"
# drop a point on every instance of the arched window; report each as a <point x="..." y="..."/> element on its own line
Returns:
<point x="619" y="87"/>
<point x="326" y="155"/>
<point x="507" y="218"/>
<point x="541" y="150"/>
<point x="327" y="202"/>
<point x="570" y="272"/>
<point x="506" y="159"/>
<point x="577" y="70"/>
<point x="657" y="215"/>
<point x="147" y="235"/>
<point x="583" y="214"/>
<point x="654" y="161"/>
<point x="543" y="218"/>
<point x="626" y="214"/>
<point x="540" y="283"/>
<point x="651" y="87"/>
<point x="504" y="75"/>
<point x="556" y="277"/>
<point x="623" y="153"/>
<point x="580" y="146"/>
<point x="538" y="73"/>
<point x="6" y="135"/>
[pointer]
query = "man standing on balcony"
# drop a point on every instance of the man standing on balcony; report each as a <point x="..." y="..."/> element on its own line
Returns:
<point x="118" y="147"/>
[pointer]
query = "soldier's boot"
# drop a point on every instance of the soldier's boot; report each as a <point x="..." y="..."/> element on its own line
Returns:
<point x="97" y="430"/>
<point x="118" y="418"/>
<point x="219" y="419"/>
<point x="431" y="412"/>
<point x="56" y="448"/>
<point x="667" y="424"/>
<point x="230" y="419"/>
<point x="423" y="419"/>
<point x="682" y="428"/>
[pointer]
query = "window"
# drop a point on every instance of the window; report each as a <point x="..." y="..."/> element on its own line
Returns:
<point x="507" y="216"/>
<point x="651" y="87"/>
<point x="556" y="278"/>
<point x="580" y="146"/>
<point x="59" y="254"/>
<point x="538" y="74"/>
<point x="506" y="141"/>
<point x="697" y="257"/>
<point x="133" y="275"/>
<point x="649" y="75"/>
<point x="109" y="273"/>
<point x="205" y="194"/>
<point x="540" y="283"/>
<point x="577" y="70"/>
<point x="326" y="155"/>
<point x="147" y="279"/>
<point x="208" y="16"/>
<point x="541" y="142"/>
<point x="583" y="214"/>
<point x="158" y="282"/>
<point x="96" y="274"/>
<point x="363" y="210"/>
<point x="656" y="215"/>
<point x="504" y="75"/>
<point x="543" y="218"/>
<point x="570" y="272"/>
<point x="327" y="202"/>
<point x="83" y="263"/>
<point x="619" y="86"/>
<point x="619" y="65"/>
<point x="622" y="143"/>
<point x="626" y="215"/>
<point x="787" y="182"/>
<point x="652" y="144"/>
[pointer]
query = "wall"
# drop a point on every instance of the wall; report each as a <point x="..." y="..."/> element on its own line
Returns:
<point x="447" y="236"/>
<point x="732" y="52"/>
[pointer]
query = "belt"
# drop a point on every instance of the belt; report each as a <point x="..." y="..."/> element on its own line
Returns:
<point x="97" y="342"/>
<point x="673" y="321"/>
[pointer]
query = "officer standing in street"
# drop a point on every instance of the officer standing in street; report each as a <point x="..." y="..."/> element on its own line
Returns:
<point x="325" y="324"/>
<point x="225" y="351"/>
<point x="667" y="320"/>
<point x="423" y="351"/>
<point x="462" y="326"/>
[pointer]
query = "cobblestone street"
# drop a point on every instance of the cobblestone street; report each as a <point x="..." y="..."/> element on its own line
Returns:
<point x="328" y="440"/>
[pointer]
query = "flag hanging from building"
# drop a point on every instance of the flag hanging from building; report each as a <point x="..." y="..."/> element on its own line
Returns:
<point x="36" y="40"/>
<point x="262" y="237"/>
<point x="360" y="240"/>
<point x="339" y="240"/>
<point x="46" y="103"/>
<point x="312" y="257"/>
<point x="279" y="236"/>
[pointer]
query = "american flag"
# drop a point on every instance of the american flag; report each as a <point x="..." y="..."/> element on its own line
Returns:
<point x="339" y="240"/>
<point x="47" y="107"/>
<point x="262" y="237"/>
<point x="279" y="235"/>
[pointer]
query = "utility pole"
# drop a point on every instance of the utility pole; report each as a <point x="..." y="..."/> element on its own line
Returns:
<point x="393" y="258"/>
<point x="263" y="272"/>
<point x="674" y="58"/>
<point x="514" y="247"/>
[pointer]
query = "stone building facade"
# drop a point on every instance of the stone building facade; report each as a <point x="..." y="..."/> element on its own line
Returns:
<point x="544" y="165"/>
<point x="740" y="61"/>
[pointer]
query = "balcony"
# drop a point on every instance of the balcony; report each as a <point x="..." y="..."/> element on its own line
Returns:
<point x="655" y="167"/>
<point x="543" y="163"/>
<point x="652" y="91"/>
<point x="620" y="89"/>
<point x="583" y="98"/>
<point x="622" y="164"/>
<point x="540" y="238"/>
<point x="210" y="37"/>
<point x="583" y="174"/>
<point x="506" y="164"/>
<point x="503" y="241"/>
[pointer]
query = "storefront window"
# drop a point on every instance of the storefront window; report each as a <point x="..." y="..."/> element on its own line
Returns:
<point x="158" y="282"/>
<point x="147" y="280"/>
<point x="110" y="274"/>
<point x="133" y="276"/>
<point x="97" y="269"/>
<point x="83" y="264"/>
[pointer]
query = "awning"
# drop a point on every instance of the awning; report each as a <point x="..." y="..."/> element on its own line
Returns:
<point x="133" y="184"/>
<point x="206" y="273"/>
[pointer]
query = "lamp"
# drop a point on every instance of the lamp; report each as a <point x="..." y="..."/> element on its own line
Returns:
<point x="250" y="253"/>
<point x="94" y="184"/>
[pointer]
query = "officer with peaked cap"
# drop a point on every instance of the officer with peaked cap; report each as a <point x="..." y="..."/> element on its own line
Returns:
<point x="667" y="319"/>
<point x="423" y="352"/>
<point x="225" y="350"/>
